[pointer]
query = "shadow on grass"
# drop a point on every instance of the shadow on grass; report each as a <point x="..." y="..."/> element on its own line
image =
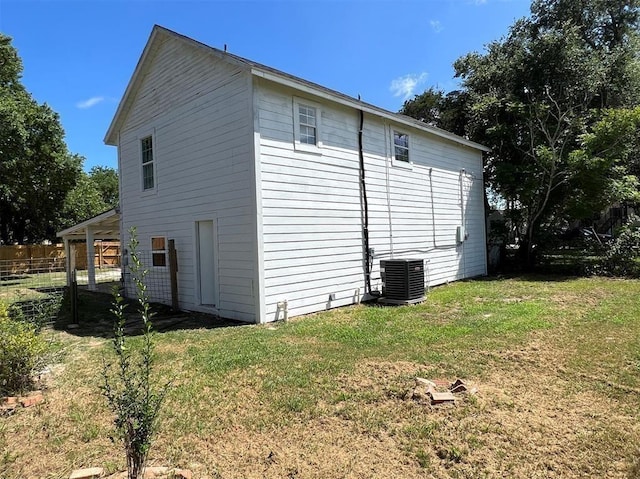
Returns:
<point x="547" y="277"/>
<point x="96" y="319"/>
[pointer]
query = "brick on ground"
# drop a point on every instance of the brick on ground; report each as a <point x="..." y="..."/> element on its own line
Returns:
<point x="87" y="473"/>
<point x="36" y="397"/>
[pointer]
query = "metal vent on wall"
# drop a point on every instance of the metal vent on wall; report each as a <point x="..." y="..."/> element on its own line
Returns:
<point x="402" y="281"/>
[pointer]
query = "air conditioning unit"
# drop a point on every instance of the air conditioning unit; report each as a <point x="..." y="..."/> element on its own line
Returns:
<point x="402" y="281"/>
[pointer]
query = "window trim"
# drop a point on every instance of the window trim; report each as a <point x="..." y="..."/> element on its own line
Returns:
<point x="164" y="252"/>
<point x="395" y="161"/>
<point x="154" y="159"/>
<point x="297" y="144"/>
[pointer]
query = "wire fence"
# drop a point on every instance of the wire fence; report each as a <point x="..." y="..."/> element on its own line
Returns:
<point x="33" y="288"/>
<point x="157" y="278"/>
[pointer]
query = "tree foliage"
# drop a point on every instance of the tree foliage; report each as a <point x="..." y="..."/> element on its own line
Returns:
<point x="106" y="181"/>
<point x="94" y="193"/>
<point x="36" y="169"/>
<point x="541" y="99"/>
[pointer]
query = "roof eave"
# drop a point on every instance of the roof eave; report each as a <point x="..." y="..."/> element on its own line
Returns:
<point x="111" y="138"/>
<point x="101" y="217"/>
<point x="340" y="98"/>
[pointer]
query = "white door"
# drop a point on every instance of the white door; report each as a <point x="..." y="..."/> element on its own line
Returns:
<point x="206" y="264"/>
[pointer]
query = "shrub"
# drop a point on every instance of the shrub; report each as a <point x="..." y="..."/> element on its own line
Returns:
<point x="127" y="385"/>
<point x="623" y="255"/>
<point x="38" y="312"/>
<point x="22" y="352"/>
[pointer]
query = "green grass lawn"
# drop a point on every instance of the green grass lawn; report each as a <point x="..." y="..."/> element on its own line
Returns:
<point x="556" y="362"/>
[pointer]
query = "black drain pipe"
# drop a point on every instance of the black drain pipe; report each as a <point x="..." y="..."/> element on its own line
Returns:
<point x="368" y="256"/>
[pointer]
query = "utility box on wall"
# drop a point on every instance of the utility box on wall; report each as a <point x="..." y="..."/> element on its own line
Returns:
<point x="402" y="281"/>
<point x="461" y="234"/>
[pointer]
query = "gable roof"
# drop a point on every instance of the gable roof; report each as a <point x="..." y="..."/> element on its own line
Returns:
<point x="261" y="71"/>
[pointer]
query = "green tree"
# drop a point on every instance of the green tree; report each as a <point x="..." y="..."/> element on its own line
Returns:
<point x="448" y="111"/>
<point x="426" y="107"/>
<point x="36" y="169"/>
<point x="533" y="95"/>
<point x="94" y="193"/>
<point x="607" y="163"/>
<point x="106" y="181"/>
<point x="84" y="201"/>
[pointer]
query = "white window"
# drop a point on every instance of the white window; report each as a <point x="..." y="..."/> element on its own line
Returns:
<point x="146" y="154"/>
<point x="308" y="125"/>
<point x="401" y="146"/>
<point x="306" y="122"/>
<point x="159" y="251"/>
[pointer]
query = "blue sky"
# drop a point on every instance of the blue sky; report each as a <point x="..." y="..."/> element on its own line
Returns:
<point x="79" y="55"/>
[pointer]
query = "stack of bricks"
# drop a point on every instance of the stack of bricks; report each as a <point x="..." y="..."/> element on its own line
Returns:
<point x="9" y="404"/>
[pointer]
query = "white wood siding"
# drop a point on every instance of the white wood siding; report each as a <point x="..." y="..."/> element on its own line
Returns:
<point x="312" y="214"/>
<point x="198" y="110"/>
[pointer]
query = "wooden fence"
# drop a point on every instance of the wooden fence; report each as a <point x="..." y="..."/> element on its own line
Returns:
<point x="20" y="259"/>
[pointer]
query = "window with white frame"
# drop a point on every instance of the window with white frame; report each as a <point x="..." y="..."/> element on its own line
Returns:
<point x="401" y="146"/>
<point x="146" y="153"/>
<point x="159" y="251"/>
<point x="308" y="125"/>
<point x="306" y="117"/>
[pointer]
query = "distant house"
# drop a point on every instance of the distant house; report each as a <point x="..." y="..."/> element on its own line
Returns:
<point x="256" y="176"/>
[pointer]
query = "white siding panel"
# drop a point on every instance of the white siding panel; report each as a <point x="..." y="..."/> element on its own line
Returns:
<point x="199" y="111"/>
<point x="312" y="210"/>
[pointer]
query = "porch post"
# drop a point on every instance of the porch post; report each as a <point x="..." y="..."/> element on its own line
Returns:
<point x="91" y="260"/>
<point x="67" y="260"/>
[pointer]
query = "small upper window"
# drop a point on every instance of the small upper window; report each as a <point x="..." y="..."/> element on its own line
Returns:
<point x="308" y="125"/>
<point x="401" y="146"/>
<point x="158" y="251"/>
<point x="146" y="146"/>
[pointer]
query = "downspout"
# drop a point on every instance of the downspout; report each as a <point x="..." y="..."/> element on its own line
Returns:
<point x="368" y="256"/>
<point x="433" y="210"/>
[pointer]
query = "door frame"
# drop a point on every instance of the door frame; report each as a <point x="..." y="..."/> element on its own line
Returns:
<point x="196" y="265"/>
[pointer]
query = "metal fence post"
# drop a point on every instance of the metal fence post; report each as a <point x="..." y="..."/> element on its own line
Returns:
<point x="74" y="297"/>
<point x="173" y="273"/>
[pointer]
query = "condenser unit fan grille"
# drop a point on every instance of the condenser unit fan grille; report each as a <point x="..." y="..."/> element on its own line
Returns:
<point x="402" y="280"/>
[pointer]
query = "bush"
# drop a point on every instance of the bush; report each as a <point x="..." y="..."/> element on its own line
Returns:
<point x="622" y="256"/>
<point x="22" y="352"/>
<point x="37" y="312"/>
<point x="132" y="395"/>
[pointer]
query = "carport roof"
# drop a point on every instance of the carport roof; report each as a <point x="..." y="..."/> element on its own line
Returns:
<point x="103" y="226"/>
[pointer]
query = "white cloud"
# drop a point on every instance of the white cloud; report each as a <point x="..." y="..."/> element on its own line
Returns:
<point x="436" y="26"/>
<point x="406" y="85"/>
<point x="93" y="101"/>
<point x="479" y="2"/>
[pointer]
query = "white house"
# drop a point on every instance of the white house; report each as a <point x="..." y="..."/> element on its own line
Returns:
<point x="256" y="176"/>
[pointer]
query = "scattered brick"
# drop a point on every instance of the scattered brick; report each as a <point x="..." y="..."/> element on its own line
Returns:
<point x="155" y="472"/>
<point x="441" y="383"/>
<point x="9" y="400"/>
<point x="442" y="398"/>
<point x="426" y="382"/>
<point x="181" y="474"/>
<point x="36" y="397"/>
<point x="458" y="386"/>
<point x="88" y="473"/>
